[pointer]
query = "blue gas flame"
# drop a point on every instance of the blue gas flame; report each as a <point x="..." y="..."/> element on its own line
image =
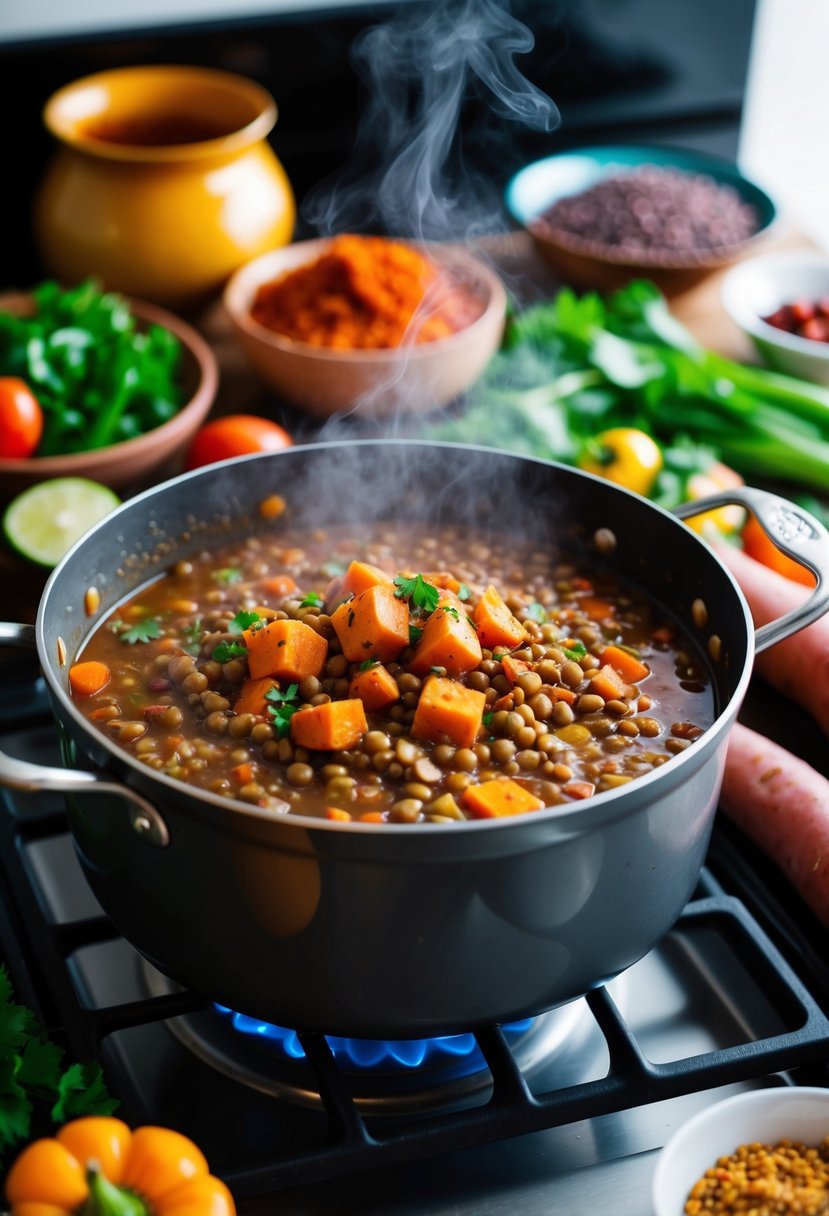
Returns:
<point x="375" y="1053"/>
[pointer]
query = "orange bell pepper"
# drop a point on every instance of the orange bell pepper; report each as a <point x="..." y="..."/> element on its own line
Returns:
<point x="97" y="1165"/>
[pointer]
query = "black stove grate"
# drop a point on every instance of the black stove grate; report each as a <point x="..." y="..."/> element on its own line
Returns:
<point x="39" y="947"/>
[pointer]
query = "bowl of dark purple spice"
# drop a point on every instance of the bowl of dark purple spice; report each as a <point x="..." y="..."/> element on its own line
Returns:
<point x="602" y="216"/>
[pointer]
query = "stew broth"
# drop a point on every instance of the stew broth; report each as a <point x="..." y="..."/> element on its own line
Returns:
<point x="396" y="676"/>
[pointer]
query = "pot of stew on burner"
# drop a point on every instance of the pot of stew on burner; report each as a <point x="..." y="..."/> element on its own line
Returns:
<point x="397" y="738"/>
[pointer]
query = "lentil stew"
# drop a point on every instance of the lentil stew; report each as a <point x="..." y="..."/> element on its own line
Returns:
<point x="393" y="674"/>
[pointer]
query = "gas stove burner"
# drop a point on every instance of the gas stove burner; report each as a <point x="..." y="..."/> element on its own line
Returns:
<point x="385" y="1077"/>
<point x="384" y="1054"/>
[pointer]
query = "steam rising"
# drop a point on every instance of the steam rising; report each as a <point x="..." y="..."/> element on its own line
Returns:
<point x="407" y="174"/>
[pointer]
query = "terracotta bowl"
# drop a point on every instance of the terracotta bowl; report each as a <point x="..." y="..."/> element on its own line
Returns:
<point x="151" y="456"/>
<point x="373" y="383"/>
<point x="587" y="265"/>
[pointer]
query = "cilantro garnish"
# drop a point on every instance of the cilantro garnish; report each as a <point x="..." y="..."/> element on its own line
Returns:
<point x="33" y="1083"/>
<point x="228" y="575"/>
<point x="463" y="592"/>
<point x="283" y="705"/>
<point x="312" y="600"/>
<point x="367" y="663"/>
<point x="452" y="611"/>
<point x="415" y="634"/>
<point x="191" y="635"/>
<point x="242" y="621"/>
<point x="332" y="568"/>
<point x="422" y="596"/>
<point x="575" y="652"/>
<point x="536" y="612"/>
<point x="141" y="631"/>
<point x="226" y="651"/>
<point x="487" y="719"/>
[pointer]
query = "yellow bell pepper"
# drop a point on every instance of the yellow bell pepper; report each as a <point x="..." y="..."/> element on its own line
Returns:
<point x="716" y="477"/>
<point x="625" y="456"/>
<point x="98" y="1167"/>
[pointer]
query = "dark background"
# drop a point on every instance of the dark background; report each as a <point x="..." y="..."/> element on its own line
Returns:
<point x="618" y="70"/>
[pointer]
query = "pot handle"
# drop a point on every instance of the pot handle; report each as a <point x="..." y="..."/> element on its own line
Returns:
<point x="42" y="778"/>
<point x="793" y="530"/>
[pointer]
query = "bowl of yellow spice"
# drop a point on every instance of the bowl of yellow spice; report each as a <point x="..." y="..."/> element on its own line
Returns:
<point x="367" y="323"/>
<point x="764" y="1151"/>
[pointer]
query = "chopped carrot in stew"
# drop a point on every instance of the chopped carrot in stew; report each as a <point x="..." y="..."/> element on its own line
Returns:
<point x="395" y="675"/>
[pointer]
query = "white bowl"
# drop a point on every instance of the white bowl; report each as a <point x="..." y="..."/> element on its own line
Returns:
<point x="765" y="1116"/>
<point x="758" y="287"/>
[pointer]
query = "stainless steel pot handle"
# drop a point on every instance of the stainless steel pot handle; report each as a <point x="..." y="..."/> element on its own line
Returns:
<point x="42" y="778"/>
<point x="797" y="533"/>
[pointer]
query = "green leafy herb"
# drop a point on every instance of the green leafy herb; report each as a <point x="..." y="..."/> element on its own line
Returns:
<point x="415" y="634"/>
<point x="242" y="621"/>
<point x="283" y="704"/>
<point x="463" y="592"/>
<point x="141" y="631"/>
<point x="226" y="651"/>
<point x="367" y="663"/>
<point x="227" y="575"/>
<point x="33" y="1083"/>
<point x="575" y="652"/>
<point x="487" y="719"/>
<point x="191" y="636"/>
<point x="422" y="596"/>
<point x="575" y="366"/>
<point x="98" y="374"/>
<point x="312" y="600"/>
<point x="333" y="568"/>
<point x="536" y="612"/>
<point x="452" y="611"/>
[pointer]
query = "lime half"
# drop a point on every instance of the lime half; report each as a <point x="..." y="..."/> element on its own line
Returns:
<point x="44" y="521"/>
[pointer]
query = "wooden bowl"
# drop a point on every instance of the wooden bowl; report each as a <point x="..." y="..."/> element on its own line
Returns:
<point x="373" y="383"/>
<point x="133" y="462"/>
<point x="585" y="264"/>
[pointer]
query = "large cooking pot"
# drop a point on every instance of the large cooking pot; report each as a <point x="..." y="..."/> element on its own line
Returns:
<point x="400" y="930"/>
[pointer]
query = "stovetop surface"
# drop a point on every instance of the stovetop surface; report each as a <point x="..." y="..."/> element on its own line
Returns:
<point x="723" y="1003"/>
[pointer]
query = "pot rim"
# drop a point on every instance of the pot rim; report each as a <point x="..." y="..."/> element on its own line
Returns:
<point x="64" y="126"/>
<point x="577" y="817"/>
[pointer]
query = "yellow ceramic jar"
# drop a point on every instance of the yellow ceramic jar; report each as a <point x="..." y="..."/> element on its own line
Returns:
<point x="165" y="183"/>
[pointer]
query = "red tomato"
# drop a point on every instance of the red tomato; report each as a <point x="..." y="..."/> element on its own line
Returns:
<point x="21" y="418"/>
<point x="235" y="435"/>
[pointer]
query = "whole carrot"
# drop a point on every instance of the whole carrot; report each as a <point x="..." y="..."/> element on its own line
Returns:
<point x="782" y="804"/>
<point x="798" y="667"/>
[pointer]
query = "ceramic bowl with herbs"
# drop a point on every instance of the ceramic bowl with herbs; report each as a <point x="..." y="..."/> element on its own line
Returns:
<point x="94" y="385"/>
<point x="601" y="216"/>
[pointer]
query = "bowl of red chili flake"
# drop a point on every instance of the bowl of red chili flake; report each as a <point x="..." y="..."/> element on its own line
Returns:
<point x="367" y="323"/>
<point x="763" y="1151"/>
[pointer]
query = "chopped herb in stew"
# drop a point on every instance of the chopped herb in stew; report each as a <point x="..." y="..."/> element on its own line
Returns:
<point x="394" y="677"/>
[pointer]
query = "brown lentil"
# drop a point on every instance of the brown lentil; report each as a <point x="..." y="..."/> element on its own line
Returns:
<point x="784" y="1179"/>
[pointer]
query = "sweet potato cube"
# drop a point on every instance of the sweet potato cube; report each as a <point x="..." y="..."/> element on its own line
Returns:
<point x="448" y="641"/>
<point x="374" y="625"/>
<point x="288" y="650"/>
<point x="513" y="668"/>
<point x="376" y="688"/>
<point x="499" y="797"/>
<point x="495" y="623"/>
<point x="360" y="576"/>
<point x="627" y="665"/>
<point x="608" y="683"/>
<point x="334" y="726"/>
<point x="251" y="699"/>
<point x="447" y="710"/>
